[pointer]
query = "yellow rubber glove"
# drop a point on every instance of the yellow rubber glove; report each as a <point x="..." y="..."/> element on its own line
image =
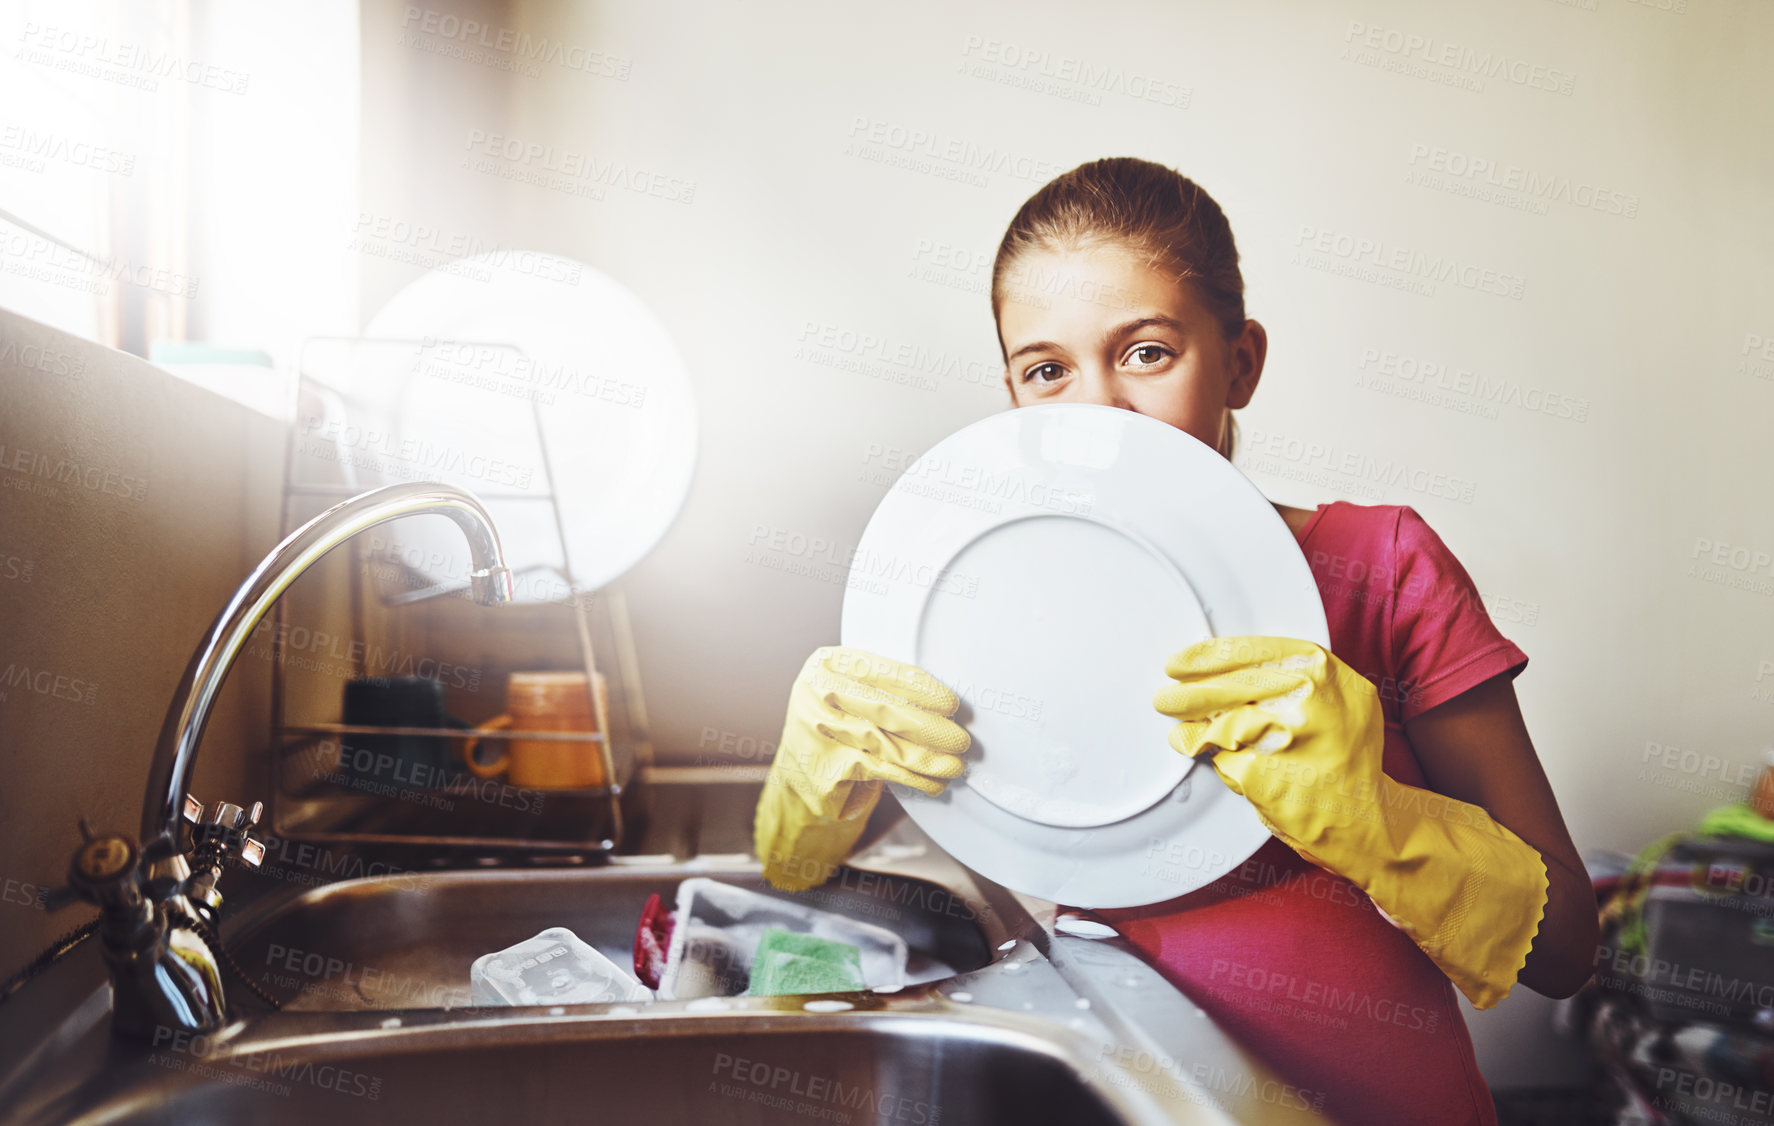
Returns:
<point x="855" y="720"/>
<point x="1300" y="735"/>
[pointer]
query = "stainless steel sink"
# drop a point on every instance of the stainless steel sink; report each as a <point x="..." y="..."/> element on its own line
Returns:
<point x="407" y="942"/>
<point x="871" y="1069"/>
<point x="1004" y="1021"/>
<point x="373" y="979"/>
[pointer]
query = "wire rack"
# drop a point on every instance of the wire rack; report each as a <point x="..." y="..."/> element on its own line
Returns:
<point x="393" y="604"/>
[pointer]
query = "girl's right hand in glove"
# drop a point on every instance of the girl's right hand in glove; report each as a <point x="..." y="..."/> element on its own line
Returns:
<point x="855" y="720"/>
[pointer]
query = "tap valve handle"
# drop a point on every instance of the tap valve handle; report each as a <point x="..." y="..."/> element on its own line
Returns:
<point x="227" y="828"/>
<point x="54" y="899"/>
<point x="102" y="872"/>
<point x="107" y="871"/>
<point x="102" y="863"/>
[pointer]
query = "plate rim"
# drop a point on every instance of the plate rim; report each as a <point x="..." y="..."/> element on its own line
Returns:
<point x="1006" y="859"/>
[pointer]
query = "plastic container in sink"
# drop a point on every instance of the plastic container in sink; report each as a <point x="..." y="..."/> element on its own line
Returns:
<point x="553" y="968"/>
<point x="716" y="929"/>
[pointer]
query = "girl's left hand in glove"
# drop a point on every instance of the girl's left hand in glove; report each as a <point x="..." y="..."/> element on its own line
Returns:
<point x="1300" y="735"/>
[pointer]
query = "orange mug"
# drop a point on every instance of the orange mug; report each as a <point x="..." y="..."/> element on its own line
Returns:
<point x="545" y="702"/>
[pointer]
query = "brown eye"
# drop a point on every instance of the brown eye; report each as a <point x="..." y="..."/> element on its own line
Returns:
<point x="1034" y="374"/>
<point x="1147" y="355"/>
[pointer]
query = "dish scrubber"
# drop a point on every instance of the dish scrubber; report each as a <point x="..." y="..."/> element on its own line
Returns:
<point x="803" y="963"/>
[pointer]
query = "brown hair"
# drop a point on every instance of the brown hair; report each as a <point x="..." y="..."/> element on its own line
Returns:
<point x="1147" y="207"/>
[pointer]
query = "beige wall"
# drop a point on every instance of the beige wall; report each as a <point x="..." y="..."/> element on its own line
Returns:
<point x="132" y="505"/>
<point x="1632" y="417"/>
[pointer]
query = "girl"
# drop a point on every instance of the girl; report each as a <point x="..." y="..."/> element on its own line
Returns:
<point x="1332" y="953"/>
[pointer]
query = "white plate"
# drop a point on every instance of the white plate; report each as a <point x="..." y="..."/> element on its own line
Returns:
<point x="1044" y="563"/>
<point x="614" y="401"/>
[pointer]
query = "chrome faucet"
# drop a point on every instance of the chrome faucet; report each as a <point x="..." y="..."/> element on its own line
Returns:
<point x="158" y="908"/>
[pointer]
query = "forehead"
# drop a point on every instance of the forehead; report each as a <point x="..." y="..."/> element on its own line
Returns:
<point x="1077" y="295"/>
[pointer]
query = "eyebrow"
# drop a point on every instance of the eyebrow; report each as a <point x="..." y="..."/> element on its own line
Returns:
<point x="1118" y="331"/>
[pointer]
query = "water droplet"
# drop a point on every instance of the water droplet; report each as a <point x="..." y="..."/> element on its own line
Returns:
<point x="887" y="988"/>
<point x="1007" y="944"/>
<point x="391" y="1022"/>
<point x="708" y="1005"/>
<point x="1014" y="967"/>
<point x="962" y="996"/>
<point x="827" y="1006"/>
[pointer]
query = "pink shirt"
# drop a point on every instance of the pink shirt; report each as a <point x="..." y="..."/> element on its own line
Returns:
<point x="1293" y="961"/>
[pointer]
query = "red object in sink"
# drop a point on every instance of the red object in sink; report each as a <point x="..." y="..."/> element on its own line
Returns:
<point x="652" y="938"/>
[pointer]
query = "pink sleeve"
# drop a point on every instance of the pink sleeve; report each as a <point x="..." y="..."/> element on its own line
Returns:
<point x="1443" y="640"/>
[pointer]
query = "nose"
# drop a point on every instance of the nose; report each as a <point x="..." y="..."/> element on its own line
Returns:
<point x="1103" y="389"/>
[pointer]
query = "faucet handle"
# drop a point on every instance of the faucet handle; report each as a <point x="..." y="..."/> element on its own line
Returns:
<point x="105" y="871"/>
<point x="56" y="898"/>
<point x="227" y="827"/>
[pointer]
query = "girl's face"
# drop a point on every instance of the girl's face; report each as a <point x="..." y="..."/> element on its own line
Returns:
<point x="1120" y="334"/>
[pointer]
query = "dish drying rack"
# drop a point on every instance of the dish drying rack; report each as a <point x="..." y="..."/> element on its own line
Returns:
<point x="467" y="814"/>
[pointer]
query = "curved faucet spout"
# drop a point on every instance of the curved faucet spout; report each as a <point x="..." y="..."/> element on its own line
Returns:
<point x="187" y="715"/>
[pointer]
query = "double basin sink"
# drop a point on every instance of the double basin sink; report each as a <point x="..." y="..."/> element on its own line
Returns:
<point x="373" y="1019"/>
